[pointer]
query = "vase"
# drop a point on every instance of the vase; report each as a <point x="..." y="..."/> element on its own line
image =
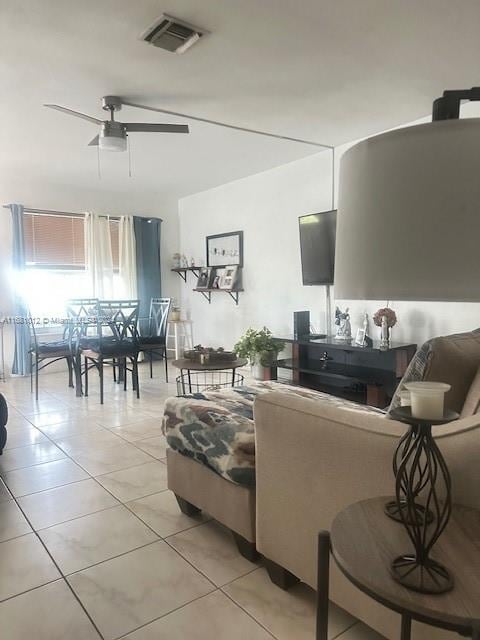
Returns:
<point x="384" y="334"/>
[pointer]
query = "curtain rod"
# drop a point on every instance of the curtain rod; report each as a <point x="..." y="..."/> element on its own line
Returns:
<point x="50" y="212"/>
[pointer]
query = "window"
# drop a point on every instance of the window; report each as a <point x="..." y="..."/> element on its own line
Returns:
<point x="57" y="241"/>
<point x="55" y="261"/>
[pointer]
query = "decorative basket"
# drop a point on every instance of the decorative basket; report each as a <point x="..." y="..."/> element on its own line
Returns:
<point x="210" y="356"/>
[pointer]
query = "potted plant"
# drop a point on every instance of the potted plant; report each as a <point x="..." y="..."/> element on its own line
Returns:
<point x="260" y="348"/>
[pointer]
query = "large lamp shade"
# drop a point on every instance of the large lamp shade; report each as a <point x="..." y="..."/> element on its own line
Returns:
<point x="408" y="224"/>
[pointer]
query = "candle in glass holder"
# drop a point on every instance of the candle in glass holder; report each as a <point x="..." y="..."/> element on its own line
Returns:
<point x="427" y="399"/>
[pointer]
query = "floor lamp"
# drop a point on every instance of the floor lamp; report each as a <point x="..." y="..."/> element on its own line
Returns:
<point x="408" y="228"/>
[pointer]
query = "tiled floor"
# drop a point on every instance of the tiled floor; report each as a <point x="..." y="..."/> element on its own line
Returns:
<point x="92" y="544"/>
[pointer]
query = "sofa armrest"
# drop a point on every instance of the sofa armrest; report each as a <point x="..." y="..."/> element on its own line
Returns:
<point x="313" y="459"/>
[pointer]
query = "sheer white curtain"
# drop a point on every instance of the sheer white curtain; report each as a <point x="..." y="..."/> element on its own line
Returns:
<point x="98" y="255"/>
<point x="127" y="259"/>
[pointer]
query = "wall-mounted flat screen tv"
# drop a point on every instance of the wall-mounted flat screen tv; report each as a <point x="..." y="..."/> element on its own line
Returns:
<point x="317" y="247"/>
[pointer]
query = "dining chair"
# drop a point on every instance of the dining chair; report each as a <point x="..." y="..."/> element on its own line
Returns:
<point x="115" y="343"/>
<point x="154" y="342"/>
<point x="43" y="354"/>
<point x="82" y="322"/>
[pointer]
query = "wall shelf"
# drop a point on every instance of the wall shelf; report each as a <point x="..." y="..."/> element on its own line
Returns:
<point x="207" y="293"/>
<point x="182" y="272"/>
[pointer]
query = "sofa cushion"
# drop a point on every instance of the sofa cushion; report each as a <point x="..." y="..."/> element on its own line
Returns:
<point x="452" y="359"/>
<point x="471" y="405"/>
<point x="217" y="429"/>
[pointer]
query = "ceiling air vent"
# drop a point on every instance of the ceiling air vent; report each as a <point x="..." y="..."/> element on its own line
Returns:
<point x="172" y="34"/>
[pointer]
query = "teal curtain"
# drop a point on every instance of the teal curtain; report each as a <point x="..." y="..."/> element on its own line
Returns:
<point x="21" y="359"/>
<point x="149" y="276"/>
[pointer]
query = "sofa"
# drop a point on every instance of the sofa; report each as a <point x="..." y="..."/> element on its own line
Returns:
<point x="275" y="464"/>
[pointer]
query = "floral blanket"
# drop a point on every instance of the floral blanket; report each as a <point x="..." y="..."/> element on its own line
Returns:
<point x="216" y="428"/>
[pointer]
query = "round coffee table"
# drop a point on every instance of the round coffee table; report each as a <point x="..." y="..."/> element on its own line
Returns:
<point x="185" y="382"/>
<point x="363" y="542"/>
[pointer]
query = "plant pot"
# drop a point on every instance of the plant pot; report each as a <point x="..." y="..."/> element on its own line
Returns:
<point x="258" y="371"/>
<point x="174" y="316"/>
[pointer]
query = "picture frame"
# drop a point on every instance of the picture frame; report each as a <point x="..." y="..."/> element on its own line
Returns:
<point x="360" y="338"/>
<point x="225" y="249"/>
<point x="228" y="278"/>
<point x="217" y="275"/>
<point x="205" y="277"/>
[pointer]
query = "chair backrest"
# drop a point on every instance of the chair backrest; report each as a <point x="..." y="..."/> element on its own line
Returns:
<point x="159" y="310"/>
<point x="81" y="317"/>
<point x="118" y="319"/>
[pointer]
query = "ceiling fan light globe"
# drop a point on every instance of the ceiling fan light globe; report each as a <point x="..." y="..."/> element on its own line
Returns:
<point x="112" y="143"/>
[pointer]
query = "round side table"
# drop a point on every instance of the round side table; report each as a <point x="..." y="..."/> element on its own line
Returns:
<point x="364" y="526"/>
<point x="185" y="383"/>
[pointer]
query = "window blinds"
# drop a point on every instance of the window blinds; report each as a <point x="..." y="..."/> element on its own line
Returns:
<point x="57" y="241"/>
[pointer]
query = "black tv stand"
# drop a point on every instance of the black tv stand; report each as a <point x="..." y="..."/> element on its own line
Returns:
<point x="367" y="375"/>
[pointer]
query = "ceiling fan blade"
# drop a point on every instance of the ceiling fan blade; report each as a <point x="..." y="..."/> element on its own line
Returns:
<point x="94" y="142"/>
<point x="162" y="128"/>
<point x="74" y="113"/>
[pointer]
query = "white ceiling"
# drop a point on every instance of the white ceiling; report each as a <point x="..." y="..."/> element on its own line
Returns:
<point x="325" y="70"/>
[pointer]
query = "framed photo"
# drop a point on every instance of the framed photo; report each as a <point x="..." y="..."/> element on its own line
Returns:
<point x="360" y="338"/>
<point x="205" y="278"/>
<point x="217" y="275"/>
<point x="225" y="249"/>
<point x="228" y="278"/>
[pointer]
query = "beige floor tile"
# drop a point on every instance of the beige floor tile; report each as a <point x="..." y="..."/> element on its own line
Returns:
<point x="286" y="614"/>
<point x="106" y="459"/>
<point x="139" y="430"/>
<point x="24" y="565"/>
<point x="213" y="616"/>
<point x="16" y="422"/>
<point x="156" y="447"/>
<point x="43" y="476"/>
<point x="23" y="437"/>
<point x="48" y="613"/>
<point x="76" y="426"/>
<point x="90" y="441"/>
<point x="85" y="541"/>
<point x="211" y="549"/>
<point x="161" y="512"/>
<point x="57" y="505"/>
<point x="127" y="415"/>
<point x="124" y="593"/>
<point x="12" y="521"/>
<point x="54" y="416"/>
<point x="360" y="631"/>
<point x="27" y="456"/>
<point x="4" y="492"/>
<point x="136" y="482"/>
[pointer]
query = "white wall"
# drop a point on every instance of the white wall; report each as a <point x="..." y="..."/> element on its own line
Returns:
<point x="43" y="195"/>
<point x="266" y="207"/>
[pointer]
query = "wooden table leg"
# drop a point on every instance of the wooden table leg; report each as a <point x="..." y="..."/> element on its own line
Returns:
<point x="406" y="627"/>
<point x="323" y="574"/>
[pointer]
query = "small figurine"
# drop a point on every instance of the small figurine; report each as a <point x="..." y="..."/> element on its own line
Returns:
<point x="192" y="262"/>
<point x="176" y="261"/>
<point x="344" y="328"/>
<point x="184" y="261"/>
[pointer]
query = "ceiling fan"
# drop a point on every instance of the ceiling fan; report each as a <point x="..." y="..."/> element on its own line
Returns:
<point x="113" y="134"/>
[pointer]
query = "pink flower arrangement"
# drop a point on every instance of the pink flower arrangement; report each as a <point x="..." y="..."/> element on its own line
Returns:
<point x="388" y="313"/>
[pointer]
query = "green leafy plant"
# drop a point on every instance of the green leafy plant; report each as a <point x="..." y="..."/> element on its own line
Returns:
<point x="259" y="346"/>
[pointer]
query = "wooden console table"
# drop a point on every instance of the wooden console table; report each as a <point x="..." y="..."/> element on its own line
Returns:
<point x="363" y="541"/>
<point x="363" y="374"/>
